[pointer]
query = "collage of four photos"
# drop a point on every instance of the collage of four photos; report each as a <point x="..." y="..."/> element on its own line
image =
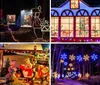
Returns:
<point x="50" y="42"/>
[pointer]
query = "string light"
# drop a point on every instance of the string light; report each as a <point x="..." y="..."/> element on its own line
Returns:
<point x="72" y="68"/>
<point x="62" y="75"/>
<point x="87" y="40"/>
<point x="70" y="64"/>
<point x="68" y="69"/>
<point x="39" y="23"/>
<point x="55" y="74"/>
<point x="58" y="76"/>
<point x="72" y="74"/>
<point x="13" y="37"/>
<point x="87" y="75"/>
<point x="79" y="75"/>
<point x="62" y="61"/>
<point x="64" y="68"/>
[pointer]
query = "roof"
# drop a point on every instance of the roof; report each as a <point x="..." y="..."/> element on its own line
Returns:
<point x="92" y="3"/>
<point x="22" y="46"/>
<point x="69" y="0"/>
<point x="66" y="5"/>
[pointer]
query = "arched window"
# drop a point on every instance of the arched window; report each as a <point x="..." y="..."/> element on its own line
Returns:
<point x="67" y="23"/>
<point x="82" y="23"/>
<point x="54" y="23"/>
<point x="95" y="23"/>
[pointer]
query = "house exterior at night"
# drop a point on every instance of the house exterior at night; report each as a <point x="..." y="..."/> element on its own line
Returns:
<point x="75" y="21"/>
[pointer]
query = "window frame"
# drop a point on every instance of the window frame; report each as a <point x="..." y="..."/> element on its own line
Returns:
<point x="53" y="15"/>
<point x="95" y="15"/>
<point x="67" y="15"/>
<point x="82" y="15"/>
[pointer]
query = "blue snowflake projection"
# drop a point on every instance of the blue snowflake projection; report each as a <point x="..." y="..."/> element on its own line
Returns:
<point x="72" y="74"/>
<point x="94" y="57"/>
<point x="64" y="56"/>
<point x="79" y="58"/>
<point x="65" y="63"/>
<point x="75" y="74"/>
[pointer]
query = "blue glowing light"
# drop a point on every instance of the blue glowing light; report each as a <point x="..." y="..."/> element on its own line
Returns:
<point x="94" y="57"/>
<point x="75" y="74"/>
<point x="72" y="74"/>
<point x="79" y="58"/>
<point x="64" y="56"/>
<point x="65" y="63"/>
<point x="63" y="75"/>
<point x="58" y="76"/>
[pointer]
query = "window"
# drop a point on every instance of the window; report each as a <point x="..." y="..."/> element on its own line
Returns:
<point x="67" y="24"/>
<point x="74" y="4"/>
<point x="54" y="26"/>
<point x="82" y="27"/>
<point x="82" y="24"/>
<point x="1" y="57"/>
<point x="95" y="26"/>
<point x="54" y="23"/>
<point x="95" y="23"/>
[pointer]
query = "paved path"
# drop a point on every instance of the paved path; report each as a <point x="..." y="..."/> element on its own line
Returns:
<point x="67" y="82"/>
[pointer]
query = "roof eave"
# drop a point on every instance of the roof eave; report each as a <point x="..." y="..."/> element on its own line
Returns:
<point x="69" y="0"/>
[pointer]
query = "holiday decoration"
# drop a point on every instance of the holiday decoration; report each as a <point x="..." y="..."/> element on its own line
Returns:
<point x="87" y="75"/>
<point x="79" y="75"/>
<point x="26" y="17"/>
<point x="86" y="57"/>
<point x="63" y="56"/>
<point x="79" y="58"/>
<point x="75" y="63"/>
<point x="79" y="25"/>
<point x="74" y="4"/>
<point x="94" y="57"/>
<point x="32" y="65"/>
<point x="72" y="57"/>
<point x="39" y="25"/>
<point x="72" y="74"/>
<point x="62" y="61"/>
<point x="70" y="64"/>
<point x="1" y="57"/>
<point x="65" y="63"/>
<point x="11" y="19"/>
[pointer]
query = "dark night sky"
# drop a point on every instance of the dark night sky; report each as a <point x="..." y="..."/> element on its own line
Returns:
<point x="93" y="3"/>
<point x="78" y="49"/>
<point x="14" y="6"/>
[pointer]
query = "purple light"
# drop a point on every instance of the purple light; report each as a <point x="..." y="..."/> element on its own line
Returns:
<point x="97" y="40"/>
<point x="58" y="38"/>
<point x="87" y="40"/>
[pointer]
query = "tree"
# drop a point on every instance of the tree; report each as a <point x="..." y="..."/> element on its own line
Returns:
<point x="7" y="63"/>
<point x="5" y="69"/>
